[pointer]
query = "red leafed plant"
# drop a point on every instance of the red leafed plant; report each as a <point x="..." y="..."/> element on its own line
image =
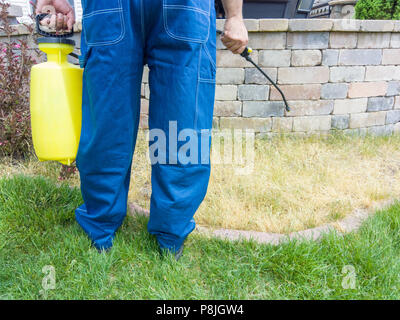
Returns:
<point x="16" y="60"/>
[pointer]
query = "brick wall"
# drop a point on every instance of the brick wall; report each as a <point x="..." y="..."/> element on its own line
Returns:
<point x="336" y="74"/>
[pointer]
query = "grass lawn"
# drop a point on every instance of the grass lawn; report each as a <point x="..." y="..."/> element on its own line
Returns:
<point x="37" y="228"/>
<point x="297" y="183"/>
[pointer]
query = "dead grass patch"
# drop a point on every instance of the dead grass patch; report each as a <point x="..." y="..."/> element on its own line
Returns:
<point x="297" y="183"/>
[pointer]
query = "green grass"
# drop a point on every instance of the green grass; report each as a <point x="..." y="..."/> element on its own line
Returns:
<point x="37" y="228"/>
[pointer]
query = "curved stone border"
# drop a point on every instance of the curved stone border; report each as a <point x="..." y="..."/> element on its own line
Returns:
<point x="351" y="223"/>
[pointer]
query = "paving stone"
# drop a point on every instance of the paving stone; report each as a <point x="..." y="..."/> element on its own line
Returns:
<point x="226" y="92"/>
<point x="393" y="88"/>
<point x="253" y="92"/>
<point x="369" y="119"/>
<point x="297" y="92"/>
<point x="340" y="122"/>
<point x="263" y="109"/>
<point x="310" y="107"/>
<point x="347" y="74"/>
<point x="307" y="40"/>
<point x="346" y="25"/>
<point x="230" y="75"/>
<point x="274" y="58"/>
<point x="397" y="102"/>
<point x="391" y="56"/>
<point x="299" y="75"/>
<point x="343" y="40"/>
<point x="225" y="58"/>
<point x="380" y="103"/>
<point x="343" y="106"/>
<point x="306" y="58"/>
<point x="330" y="57"/>
<point x="393" y="116"/>
<point x="358" y="57"/>
<point x="373" y="40"/>
<point x="228" y="108"/>
<point x="311" y="124"/>
<point x="267" y="40"/>
<point x="253" y="76"/>
<point x="252" y="25"/>
<point x="334" y="90"/>
<point x="274" y="24"/>
<point x="310" y="25"/>
<point x="395" y="40"/>
<point x="378" y="73"/>
<point x="377" y="25"/>
<point x="220" y="24"/>
<point x="396" y="26"/>
<point x="367" y="89"/>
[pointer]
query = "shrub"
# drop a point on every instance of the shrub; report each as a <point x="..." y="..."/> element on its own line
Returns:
<point x="378" y="9"/>
<point x="16" y="60"/>
<point x="15" y="63"/>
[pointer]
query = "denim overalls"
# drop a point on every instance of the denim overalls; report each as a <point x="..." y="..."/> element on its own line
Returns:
<point x="177" y="40"/>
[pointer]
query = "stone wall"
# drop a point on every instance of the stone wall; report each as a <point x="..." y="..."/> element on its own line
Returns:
<point x="336" y="74"/>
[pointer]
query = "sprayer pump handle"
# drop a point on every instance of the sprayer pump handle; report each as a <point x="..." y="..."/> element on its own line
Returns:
<point x="39" y="18"/>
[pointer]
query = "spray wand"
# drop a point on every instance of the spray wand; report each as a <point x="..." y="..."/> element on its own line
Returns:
<point x="246" y="54"/>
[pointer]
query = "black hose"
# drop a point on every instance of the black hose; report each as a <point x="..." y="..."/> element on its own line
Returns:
<point x="246" y="54"/>
<point x="270" y="80"/>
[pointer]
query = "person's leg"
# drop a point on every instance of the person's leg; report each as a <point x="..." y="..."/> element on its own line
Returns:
<point x="112" y="55"/>
<point x="181" y="54"/>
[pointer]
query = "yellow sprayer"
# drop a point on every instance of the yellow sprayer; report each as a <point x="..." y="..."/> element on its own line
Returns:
<point x="56" y="99"/>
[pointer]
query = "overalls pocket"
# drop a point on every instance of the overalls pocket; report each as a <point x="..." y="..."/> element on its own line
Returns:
<point x="103" y="22"/>
<point x="187" y="20"/>
<point x="205" y="90"/>
<point x="207" y="63"/>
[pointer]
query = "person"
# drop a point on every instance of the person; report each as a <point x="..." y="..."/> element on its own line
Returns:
<point x="177" y="40"/>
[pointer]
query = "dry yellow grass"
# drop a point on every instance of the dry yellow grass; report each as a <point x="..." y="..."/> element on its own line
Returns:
<point x="297" y="183"/>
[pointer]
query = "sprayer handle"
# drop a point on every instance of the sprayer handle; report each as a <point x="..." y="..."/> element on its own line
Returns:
<point x="39" y="18"/>
<point x="246" y="52"/>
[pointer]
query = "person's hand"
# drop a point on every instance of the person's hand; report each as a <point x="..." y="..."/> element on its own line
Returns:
<point x="235" y="36"/>
<point x="62" y="19"/>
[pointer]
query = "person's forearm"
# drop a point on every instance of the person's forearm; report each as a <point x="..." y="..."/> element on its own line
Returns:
<point x="233" y="8"/>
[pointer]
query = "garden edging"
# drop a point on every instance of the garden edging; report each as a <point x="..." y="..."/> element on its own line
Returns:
<point x="348" y="224"/>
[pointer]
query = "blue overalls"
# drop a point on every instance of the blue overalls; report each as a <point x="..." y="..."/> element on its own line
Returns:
<point x="177" y="40"/>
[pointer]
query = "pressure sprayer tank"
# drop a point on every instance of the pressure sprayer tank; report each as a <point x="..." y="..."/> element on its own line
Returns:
<point x="56" y="101"/>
